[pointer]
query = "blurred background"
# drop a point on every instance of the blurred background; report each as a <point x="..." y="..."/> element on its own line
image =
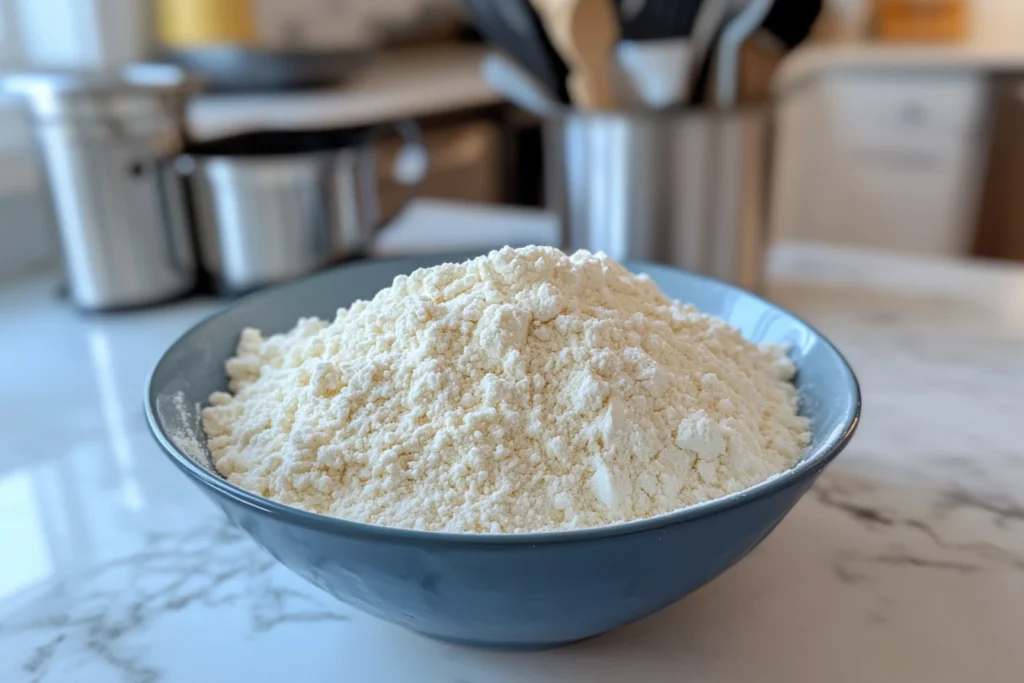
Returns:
<point x="896" y="124"/>
<point x="159" y="150"/>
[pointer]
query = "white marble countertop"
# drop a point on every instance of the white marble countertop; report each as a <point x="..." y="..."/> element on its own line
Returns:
<point x="905" y="563"/>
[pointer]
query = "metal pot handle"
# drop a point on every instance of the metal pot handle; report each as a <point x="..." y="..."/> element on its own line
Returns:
<point x="169" y="181"/>
<point x="412" y="163"/>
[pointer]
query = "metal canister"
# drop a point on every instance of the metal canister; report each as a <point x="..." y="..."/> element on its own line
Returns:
<point x="687" y="188"/>
<point x="108" y="141"/>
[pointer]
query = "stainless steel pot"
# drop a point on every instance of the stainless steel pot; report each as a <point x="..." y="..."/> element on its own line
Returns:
<point x="274" y="206"/>
<point x="687" y="188"/>
<point x="107" y="142"/>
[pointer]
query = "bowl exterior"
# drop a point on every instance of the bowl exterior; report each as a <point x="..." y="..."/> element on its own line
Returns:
<point x="518" y="596"/>
<point x="515" y="592"/>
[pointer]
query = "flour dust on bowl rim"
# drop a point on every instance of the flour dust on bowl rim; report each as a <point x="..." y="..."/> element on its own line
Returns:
<point x="528" y="590"/>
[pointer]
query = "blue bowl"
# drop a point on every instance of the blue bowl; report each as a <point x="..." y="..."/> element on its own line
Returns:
<point x="506" y="591"/>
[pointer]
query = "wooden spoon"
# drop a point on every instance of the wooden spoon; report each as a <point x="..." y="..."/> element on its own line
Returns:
<point x="584" y="32"/>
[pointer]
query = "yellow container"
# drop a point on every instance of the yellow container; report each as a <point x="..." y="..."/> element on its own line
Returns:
<point x="183" y="24"/>
<point x="922" y="21"/>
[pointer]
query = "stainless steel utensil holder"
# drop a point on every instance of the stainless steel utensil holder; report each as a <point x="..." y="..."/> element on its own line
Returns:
<point x="687" y="188"/>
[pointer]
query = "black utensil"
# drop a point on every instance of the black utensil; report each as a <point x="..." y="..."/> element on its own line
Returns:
<point x="711" y="19"/>
<point x="699" y="92"/>
<point x="791" y="21"/>
<point x="787" y="24"/>
<point x="656" y="19"/>
<point x="513" y="27"/>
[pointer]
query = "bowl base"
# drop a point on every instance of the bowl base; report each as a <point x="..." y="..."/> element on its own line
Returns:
<point x="506" y="647"/>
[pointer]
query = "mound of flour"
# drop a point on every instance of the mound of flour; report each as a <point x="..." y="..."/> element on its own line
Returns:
<point x="522" y="391"/>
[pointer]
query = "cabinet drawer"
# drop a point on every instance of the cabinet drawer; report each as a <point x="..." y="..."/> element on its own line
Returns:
<point x="883" y="161"/>
<point x="918" y="211"/>
<point x="905" y="110"/>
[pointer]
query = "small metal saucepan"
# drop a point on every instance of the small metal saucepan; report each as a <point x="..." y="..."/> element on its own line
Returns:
<point x="270" y="207"/>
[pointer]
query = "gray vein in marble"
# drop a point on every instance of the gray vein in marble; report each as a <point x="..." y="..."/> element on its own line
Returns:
<point x="906" y="559"/>
<point x="1004" y="511"/>
<point x="982" y="549"/>
<point x="100" y="610"/>
<point x="275" y="609"/>
<point x="35" y="665"/>
<point x="837" y="492"/>
<point x="849" y="566"/>
<point x="868" y="516"/>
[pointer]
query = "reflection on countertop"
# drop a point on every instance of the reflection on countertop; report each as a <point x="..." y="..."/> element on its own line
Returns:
<point x="906" y="561"/>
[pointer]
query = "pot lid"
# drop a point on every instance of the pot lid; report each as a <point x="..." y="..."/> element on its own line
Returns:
<point x="52" y="93"/>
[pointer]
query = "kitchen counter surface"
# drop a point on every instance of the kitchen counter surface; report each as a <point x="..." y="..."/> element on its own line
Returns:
<point x="402" y="83"/>
<point x="993" y="54"/>
<point x="905" y="563"/>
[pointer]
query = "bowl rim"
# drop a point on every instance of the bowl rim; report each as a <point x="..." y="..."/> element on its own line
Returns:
<point x="813" y="461"/>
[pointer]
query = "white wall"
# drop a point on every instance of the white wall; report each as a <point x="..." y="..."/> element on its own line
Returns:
<point x="51" y="34"/>
<point x="992" y="19"/>
<point x="999" y="20"/>
<point x="60" y="34"/>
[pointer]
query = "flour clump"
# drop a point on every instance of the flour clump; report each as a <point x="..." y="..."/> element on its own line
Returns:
<point x="525" y="390"/>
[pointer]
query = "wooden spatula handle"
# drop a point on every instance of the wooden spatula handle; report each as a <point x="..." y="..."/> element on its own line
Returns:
<point x="584" y="32"/>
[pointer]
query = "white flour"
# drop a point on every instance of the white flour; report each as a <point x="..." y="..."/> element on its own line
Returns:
<point x="522" y="391"/>
<point x="178" y="419"/>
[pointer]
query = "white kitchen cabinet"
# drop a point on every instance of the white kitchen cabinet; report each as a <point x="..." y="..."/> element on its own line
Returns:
<point x="884" y="160"/>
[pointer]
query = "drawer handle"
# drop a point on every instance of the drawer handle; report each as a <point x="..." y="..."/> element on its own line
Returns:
<point x="914" y="115"/>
